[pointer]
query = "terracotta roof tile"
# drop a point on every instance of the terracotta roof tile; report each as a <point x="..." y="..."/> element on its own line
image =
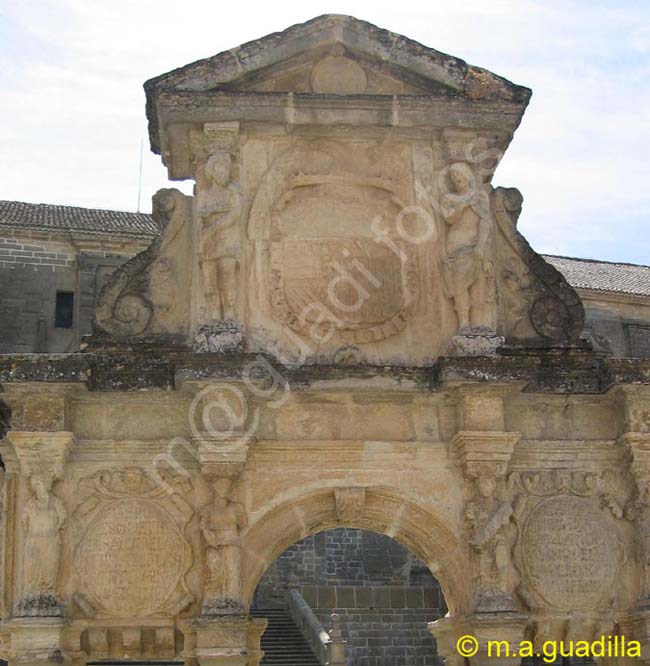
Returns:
<point x="603" y="275"/>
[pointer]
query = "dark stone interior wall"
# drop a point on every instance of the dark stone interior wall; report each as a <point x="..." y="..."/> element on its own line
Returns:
<point x="384" y="594"/>
<point x="346" y="557"/>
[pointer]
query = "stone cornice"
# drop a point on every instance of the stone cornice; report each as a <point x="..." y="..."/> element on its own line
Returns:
<point x="151" y="364"/>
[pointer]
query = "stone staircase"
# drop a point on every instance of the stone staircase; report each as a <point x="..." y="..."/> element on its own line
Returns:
<point x="282" y="642"/>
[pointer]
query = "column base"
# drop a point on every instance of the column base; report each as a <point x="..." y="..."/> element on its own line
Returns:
<point x="32" y="641"/>
<point x="228" y="640"/>
<point x="468" y="637"/>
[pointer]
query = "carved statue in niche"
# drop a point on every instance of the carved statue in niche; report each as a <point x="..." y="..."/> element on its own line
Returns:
<point x="467" y="266"/>
<point x="219" y="210"/>
<point x="220" y="522"/>
<point x="492" y="538"/>
<point x="43" y="519"/>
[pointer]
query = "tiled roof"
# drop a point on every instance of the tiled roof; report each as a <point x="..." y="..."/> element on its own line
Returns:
<point x="603" y="275"/>
<point x="48" y="217"/>
<point x="580" y="273"/>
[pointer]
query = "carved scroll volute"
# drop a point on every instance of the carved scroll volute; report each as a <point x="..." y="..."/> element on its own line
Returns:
<point x="349" y="504"/>
<point x="539" y="302"/>
<point x="149" y="294"/>
<point x="41" y="458"/>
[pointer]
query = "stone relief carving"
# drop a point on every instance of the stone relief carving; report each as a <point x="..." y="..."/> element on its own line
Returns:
<point x="637" y="511"/>
<point x="554" y="309"/>
<point x="349" y="503"/>
<point x="41" y="457"/>
<point x="221" y="522"/>
<point x="43" y="519"/>
<point x="570" y="552"/>
<point x="142" y="296"/>
<point x="324" y="273"/>
<point x="493" y="535"/>
<point x="467" y="263"/>
<point x="132" y="557"/>
<point x="219" y="212"/>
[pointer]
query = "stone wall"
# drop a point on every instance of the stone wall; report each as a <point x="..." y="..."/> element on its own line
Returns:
<point x="383" y="625"/>
<point x="342" y="557"/>
<point x="33" y="268"/>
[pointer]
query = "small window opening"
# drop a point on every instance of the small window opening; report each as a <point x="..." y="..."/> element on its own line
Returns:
<point x="63" y="314"/>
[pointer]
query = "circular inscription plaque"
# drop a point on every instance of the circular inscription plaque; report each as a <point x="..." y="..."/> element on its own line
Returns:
<point x="570" y="552"/>
<point x="130" y="558"/>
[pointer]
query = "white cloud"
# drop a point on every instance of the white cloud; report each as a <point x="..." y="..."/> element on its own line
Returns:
<point x="72" y="109"/>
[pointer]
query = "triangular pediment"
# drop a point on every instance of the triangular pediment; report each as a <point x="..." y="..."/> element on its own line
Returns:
<point x="338" y="70"/>
<point x="339" y="55"/>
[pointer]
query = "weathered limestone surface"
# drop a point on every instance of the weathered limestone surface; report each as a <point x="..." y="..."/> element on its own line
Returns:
<point x="342" y="328"/>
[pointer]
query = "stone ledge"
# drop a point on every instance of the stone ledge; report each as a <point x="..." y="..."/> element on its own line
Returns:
<point x="567" y="371"/>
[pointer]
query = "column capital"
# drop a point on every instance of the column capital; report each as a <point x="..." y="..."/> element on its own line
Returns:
<point x="222" y="456"/>
<point x="483" y="452"/>
<point x="31" y="453"/>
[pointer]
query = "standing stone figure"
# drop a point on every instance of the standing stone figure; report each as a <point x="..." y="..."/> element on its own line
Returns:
<point x="221" y="522"/>
<point x="638" y="511"/>
<point x="467" y="264"/>
<point x="493" y="536"/>
<point x="43" y="520"/>
<point x="219" y="210"/>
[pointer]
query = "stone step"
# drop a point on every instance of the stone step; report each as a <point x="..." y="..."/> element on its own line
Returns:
<point x="282" y="642"/>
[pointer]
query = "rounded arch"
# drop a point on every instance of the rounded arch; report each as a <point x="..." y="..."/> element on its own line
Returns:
<point x="385" y="511"/>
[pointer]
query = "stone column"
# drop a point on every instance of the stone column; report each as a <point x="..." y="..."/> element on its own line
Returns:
<point x="35" y="461"/>
<point x="464" y="639"/>
<point x="635" y="440"/>
<point x="482" y="449"/>
<point x="224" y="634"/>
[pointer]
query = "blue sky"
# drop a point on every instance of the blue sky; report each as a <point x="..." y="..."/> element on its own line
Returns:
<point x="72" y="105"/>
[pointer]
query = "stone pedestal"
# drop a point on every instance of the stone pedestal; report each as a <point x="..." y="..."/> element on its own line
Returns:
<point x="33" y="642"/>
<point x="228" y="640"/>
<point x="468" y="638"/>
<point x="635" y="625"/>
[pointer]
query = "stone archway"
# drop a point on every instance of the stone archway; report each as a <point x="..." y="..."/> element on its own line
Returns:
<point x="379" y="509"/>
<point x="363" y="588"/>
